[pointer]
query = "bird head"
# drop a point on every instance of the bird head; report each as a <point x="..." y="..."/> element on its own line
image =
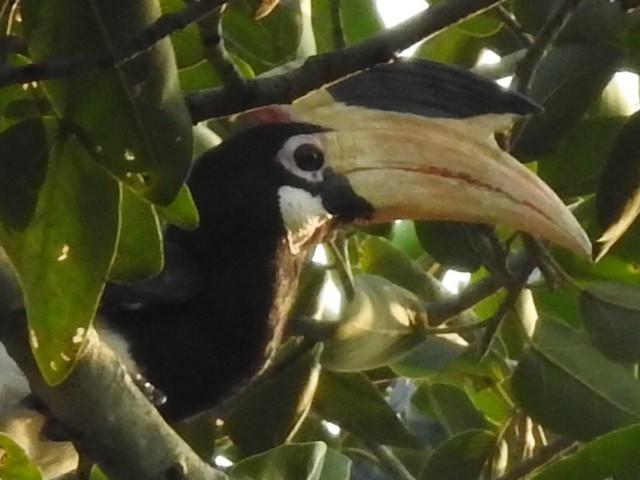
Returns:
<point x="413" y="139"/>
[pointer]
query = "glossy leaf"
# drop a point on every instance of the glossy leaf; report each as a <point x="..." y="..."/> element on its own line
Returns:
<point x="568" y="386"/>
<point x="273" y="411"/>
<point x="451" y="46"/>
<point x="450" y="405"/>
<point x="574" y="167"/>
<point x="359" y="19"/>
<point x="433" y="355"/>
<point x="267" y="42"/>
<point x="138" y="126"/>
<point x="14" y="464"/>
<point x="353" y="402"/>
<point x="618" y="195"/>
<point x="453" y="244"/>
<point x="619" y="265"/>
<point x="462" y="457"/>
<point x="611" y="314"/>
<point x="139" y="253"/>
<point x="62" y="257"/>
<point x="24" y="150"/>
<point x="378" y="256"/>
<point x="182" y="212"/>
<point x="568" y="80"/>
<point x="186" y="42"/>
<point x="613" y="455"/>
<point x="302" y="461"/>
<point x="380" y="325"/>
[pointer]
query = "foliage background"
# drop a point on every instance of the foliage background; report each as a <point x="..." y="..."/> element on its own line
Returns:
<point x="538" y="380"/>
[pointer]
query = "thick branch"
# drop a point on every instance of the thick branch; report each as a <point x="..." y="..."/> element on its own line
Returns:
<point x="320" y="70"/>
<point x="107" y="415"/>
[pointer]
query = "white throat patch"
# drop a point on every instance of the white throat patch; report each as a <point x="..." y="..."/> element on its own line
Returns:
<point x="302" y="214"/>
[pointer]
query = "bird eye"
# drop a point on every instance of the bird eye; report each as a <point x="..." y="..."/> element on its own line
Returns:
<point x="308" y="157"/>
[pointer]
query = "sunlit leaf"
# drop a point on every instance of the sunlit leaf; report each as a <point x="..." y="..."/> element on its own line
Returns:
<point x="305" y="461"/>
<point x="618" y="195"/>
<point x="382" y="323"/>
<point x="14" y="464"/>
<point x="614" y="455"/>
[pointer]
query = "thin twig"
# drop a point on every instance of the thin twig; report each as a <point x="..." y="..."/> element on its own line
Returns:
<point x="390" y="462"/>
<point x="544" y="455"/>
<point x="81" y="64"/>
<point x="440" y="311"/>
<point x="319" y="70"/>
<point x="547" y="35"/>
<point x="495" y="321"/>
<point x="514" y="27"/>
<point x="214" y="50"/>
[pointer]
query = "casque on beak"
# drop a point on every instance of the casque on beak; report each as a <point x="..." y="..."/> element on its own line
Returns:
<point x="435" y="156"/>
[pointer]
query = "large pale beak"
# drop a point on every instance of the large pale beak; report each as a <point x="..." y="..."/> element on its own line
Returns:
<point x="417" y="140"/>
<point x="450" y="169"/>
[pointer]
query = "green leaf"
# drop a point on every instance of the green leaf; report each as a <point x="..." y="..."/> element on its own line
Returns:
<point x="266" y="42"/>
<point x="618" y="195"/>
<point x="303" y="461"/>
<point x="433" y="355"/>
<point x="353" y="402"/>
<point x="568" y="81"/>
<point x="182" y="212"/>
<point x="453" y="46"/>
<point x="272" y="413"/>
<point x="378" y="256"/>
<point x="453" y="244"/>
<point x="574" y="167"/>
<point x="614" y="455"/>
<point x="568" y="386"/>
<point x="462" y="457"/>
<point x="611" y="314"/>
<point x="619" y="265"/>
<point x="360" y="20"/>
<point x="24" y="150"/>
<point x="139" y="254"/>
<point x="186" y="41"/>
<point x="133" y="116"/>
<point x="403" y="236"/>
<point x="380" y="325"/>
<point x="63" y="255"/>
<point x="450" y="405"/>
<point x="14" y="464"/>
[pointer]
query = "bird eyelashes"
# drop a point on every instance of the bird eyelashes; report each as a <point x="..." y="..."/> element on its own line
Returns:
<point x="303" y="157"/>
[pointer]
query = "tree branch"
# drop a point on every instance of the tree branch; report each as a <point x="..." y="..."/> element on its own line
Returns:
<point x="106" y="414"/>
<point x="547" y="35"/>
<point x="81" y="64"/>
<point x="320" y="70"/>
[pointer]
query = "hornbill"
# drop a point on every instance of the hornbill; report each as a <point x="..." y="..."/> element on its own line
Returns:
<point x="411" y="139"/>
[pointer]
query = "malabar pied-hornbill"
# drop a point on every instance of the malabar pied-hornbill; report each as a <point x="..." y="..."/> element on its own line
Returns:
<point x="412" y="139"/>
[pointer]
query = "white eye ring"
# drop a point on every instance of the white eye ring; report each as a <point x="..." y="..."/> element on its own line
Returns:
<point x="303" y="156"/>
